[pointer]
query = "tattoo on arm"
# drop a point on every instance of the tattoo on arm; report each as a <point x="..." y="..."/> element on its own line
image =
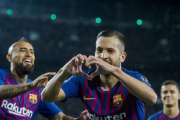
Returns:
<point x="10" y="91"/>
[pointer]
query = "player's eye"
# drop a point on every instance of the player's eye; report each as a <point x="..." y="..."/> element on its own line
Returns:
<point x="172" y="91"/>
<point x="22" y="50"/>
<point x="110" y="51"/>
<point x="98" y="50"/>
<point x="32" y="52"/>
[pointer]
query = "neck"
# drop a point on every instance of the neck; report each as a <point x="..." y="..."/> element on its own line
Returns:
<point x="171" y="111"/>
<point x="107" y="82"/>
<point x="21" y="78"/>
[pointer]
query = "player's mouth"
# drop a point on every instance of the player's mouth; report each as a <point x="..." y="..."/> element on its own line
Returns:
<point x="168" y="99"/>
<point x="27" y="61"/>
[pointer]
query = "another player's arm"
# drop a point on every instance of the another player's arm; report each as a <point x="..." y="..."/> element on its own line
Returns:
<point x="62" y="116"/>
<point x="136" y="87"/>
<point x="53" y="91"/>
<point x="10" y="91"/>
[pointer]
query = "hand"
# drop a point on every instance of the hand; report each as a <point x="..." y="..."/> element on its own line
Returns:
<point x="83" y="115"/>
<point x="74" y="66"/>
<point x="42" y="80"/>
<point x="103" y="67"/>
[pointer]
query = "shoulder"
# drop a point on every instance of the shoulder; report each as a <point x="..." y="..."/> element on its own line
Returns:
<point x="130" y="72"/>
<point x="154" y="116"/>
<point x="3" y="71"/>
<point x="136" y="75"/>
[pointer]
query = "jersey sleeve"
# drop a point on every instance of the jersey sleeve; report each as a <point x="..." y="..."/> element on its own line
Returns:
<point x="48" y="110"/>
<point x="141" y="78"/>
<point x="71" y="87"/>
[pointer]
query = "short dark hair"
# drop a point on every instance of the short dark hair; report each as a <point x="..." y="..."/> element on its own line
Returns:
<point x="170" y="82"/>
<point x="112" y="33"/>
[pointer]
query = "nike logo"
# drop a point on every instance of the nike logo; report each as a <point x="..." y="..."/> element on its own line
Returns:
<point x="88" y="98"/>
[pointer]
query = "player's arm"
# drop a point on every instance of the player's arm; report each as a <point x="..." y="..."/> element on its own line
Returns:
<point x="10" y="91"/>
<point x="62" y="116"/>
<point x="53" y="92"/>
<point x="136" y="87"/>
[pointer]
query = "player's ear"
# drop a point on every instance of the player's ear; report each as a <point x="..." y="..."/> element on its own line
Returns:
<point x="9" y="58"/>
<point x="123" y="56"/>
<point x="178" y="96"/>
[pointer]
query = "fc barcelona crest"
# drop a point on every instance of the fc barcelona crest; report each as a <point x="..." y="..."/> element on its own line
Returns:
<point x="33" y="98"/>
<point x="117" y="100"/>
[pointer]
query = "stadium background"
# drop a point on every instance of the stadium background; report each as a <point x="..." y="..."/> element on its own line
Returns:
<point x="60" y="29"/>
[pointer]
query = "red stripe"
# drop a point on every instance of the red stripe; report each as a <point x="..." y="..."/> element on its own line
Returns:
<point x="124" y="102"/>
<point x="132" y="105"/>
<point x="179" y="117"/>
<point x="14" y="101"/>
<point x="94" y="105"/>
<point x="28" y="102"/>
<point x="160" y="116"/>
<point x="164" y="117"/>
<point x="84" y="93"/>
<point x="22" y="103"/>
<point x="7" y="80"/>
<point x="37" y="91"/>
<point x="108" y="104"/>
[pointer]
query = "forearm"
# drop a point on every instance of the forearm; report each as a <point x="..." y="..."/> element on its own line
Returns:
<point x="10" y="91"/>
<point x="52" y="89"/>
<point x="136" y="87"/>
<point x="62" y="116"/>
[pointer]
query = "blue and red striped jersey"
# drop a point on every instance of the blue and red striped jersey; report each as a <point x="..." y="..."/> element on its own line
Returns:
<point x="116" y="104"/>
<point x="24" y="106"/>
<point x="161" y="116"/>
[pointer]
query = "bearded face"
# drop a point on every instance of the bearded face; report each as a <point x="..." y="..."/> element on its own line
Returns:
<point x="21" y="69"/>
<point x="21" y="56"/>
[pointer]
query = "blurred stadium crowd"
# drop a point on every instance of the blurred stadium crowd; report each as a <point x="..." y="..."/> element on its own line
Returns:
<point x="152" y="48"/>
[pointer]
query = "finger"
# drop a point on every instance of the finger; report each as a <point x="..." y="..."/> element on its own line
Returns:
<point x="76" y="60"/>
<point x="85" y="58"/>
<point x="86" y="76"/>
<point x="49" y="74"/>
<point x="84" y="112"/>
<point x="89" y="59"/>
<point x="92" y="62"/>
<point x="80" y="68"/>
<point x="81" y="58"/>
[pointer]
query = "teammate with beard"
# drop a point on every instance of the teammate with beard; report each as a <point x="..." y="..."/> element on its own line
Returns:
<point x="20" y="97"/>
<point x="110" y="92"/>
<point x="170" y="97"/>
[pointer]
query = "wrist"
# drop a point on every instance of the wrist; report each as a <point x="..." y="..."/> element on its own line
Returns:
<point x="30" y="86"/>
<point x="116" y="71"/>
<point x="64" y="72"/>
